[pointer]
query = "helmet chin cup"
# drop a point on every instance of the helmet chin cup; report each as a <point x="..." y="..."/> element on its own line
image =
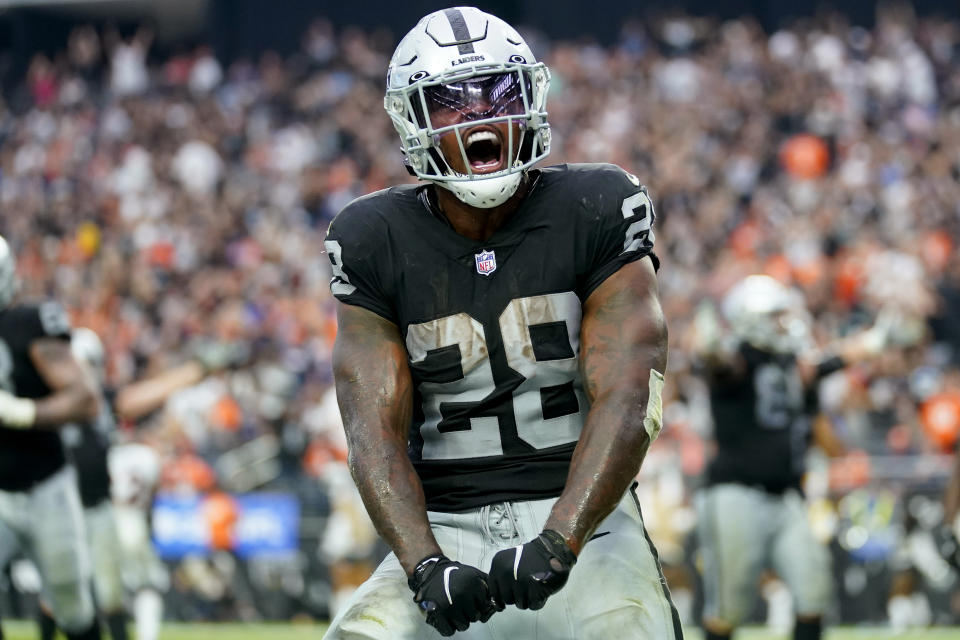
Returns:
<point x="483" y="193"/>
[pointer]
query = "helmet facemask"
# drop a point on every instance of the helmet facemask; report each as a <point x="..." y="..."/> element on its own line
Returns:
<point x="474" y="131"/>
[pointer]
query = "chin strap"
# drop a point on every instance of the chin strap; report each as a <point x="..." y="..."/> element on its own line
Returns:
<point x="484" y="193"/>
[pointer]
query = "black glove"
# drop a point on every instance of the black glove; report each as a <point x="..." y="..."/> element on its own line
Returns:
<point x="451" y="594"/>
<point x="529" y="574"/>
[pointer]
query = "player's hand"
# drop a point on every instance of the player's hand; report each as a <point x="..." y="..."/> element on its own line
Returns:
<point x="451" y="594"/>
<point x="528" y="574"/>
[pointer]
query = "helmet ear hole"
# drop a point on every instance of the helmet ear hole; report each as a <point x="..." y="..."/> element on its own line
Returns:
<point x="406" y="164"/>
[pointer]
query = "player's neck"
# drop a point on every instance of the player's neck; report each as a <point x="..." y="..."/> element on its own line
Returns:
<point x="473" y="222"/>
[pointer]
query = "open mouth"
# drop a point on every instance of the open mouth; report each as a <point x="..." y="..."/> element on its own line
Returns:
<point x="484" y="151"/>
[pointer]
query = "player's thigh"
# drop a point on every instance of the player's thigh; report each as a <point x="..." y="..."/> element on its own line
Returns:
<point x="141" y="568"/>
<point x="733" y="534"/>
<point x="58" y="546"/>
<point x="104" y="544"/>
<point x="802" y="561"/>
<point x="15" y="513"/>
<point x="382" y="608"/>
<point x="57" y="530"/>
<point x="133" y="532"/>
<point x="9" y="546"/>
<point x="614" y="591"/>
<point x="617" y="588"/>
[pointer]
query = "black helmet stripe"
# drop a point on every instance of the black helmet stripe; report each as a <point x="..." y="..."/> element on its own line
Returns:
<point x="460" y="31"/>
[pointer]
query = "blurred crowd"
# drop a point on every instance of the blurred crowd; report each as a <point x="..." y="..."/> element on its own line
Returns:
<point x="177" y="205"/>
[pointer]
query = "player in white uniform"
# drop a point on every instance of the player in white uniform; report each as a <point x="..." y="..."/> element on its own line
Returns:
<point x="135" y="471"/>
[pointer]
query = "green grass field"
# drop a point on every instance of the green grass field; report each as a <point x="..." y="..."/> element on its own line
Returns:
<point x="20" y="630"/>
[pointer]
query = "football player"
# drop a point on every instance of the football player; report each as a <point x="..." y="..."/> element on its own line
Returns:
<point x="135" y="472"/>
<point x="42" y="389"/>
<point x="951" y="512"/>
<point x="499" y="361"/>
<point x="752" y="513"/>
<point x="87" y="446"/>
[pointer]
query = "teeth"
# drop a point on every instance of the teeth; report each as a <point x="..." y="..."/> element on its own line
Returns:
<point x="481" y="136"/>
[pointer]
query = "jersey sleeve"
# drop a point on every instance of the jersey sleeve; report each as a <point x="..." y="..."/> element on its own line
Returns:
<point x="359" y="262"/>
<point x="46" y="320"/>
<point x="617" y="228"/>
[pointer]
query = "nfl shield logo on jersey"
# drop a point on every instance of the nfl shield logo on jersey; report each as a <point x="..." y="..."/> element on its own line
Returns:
<point x="486" y="262"/>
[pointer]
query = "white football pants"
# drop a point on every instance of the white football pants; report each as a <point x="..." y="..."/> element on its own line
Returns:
<point x="743" y="530"/>
<point x="616" y="589"/>
<point x="47" y="521"/>
<point x="105" y="555"/>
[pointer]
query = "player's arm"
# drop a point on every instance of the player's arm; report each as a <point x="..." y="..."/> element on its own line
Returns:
<point x="144" y="396"/>
<point x="623" y="353"/>
<point x="73" y="395"/>
<point x="716" y="352"/>
<point x="825" y="436"/>
<point x="375" y="394"/>
<point x="862" y="346"/>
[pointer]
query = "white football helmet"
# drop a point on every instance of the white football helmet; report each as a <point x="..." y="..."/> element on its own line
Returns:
<point x="86" y="347"/>
<point x="464" y="61"/>
<point x="8" y="274"/>
<point x="767" y="315"/>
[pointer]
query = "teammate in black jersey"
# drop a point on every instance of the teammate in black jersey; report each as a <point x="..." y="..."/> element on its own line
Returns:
<point x="499" y="361"/>
<point x="752" y="514"/>
<point x="42" y="389"/>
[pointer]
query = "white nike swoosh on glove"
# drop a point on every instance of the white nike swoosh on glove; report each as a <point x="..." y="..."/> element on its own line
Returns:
<point x="516" y="559"/>
<point x="446" y="582"/>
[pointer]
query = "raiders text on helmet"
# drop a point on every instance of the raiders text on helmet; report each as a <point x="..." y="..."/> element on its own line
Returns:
<point x="476" y="66"/>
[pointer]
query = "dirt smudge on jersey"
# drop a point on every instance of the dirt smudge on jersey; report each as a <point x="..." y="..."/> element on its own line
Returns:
<point x="459" y="329"/>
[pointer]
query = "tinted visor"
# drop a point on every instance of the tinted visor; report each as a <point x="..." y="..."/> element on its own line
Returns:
<point x="477" y="98"/>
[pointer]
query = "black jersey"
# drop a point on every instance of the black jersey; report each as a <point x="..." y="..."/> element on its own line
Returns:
<point x="761" y="423"/>
<point x="492" y="328"/>
<point x="28" y="456"/>
<point x="86" y="447"/>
